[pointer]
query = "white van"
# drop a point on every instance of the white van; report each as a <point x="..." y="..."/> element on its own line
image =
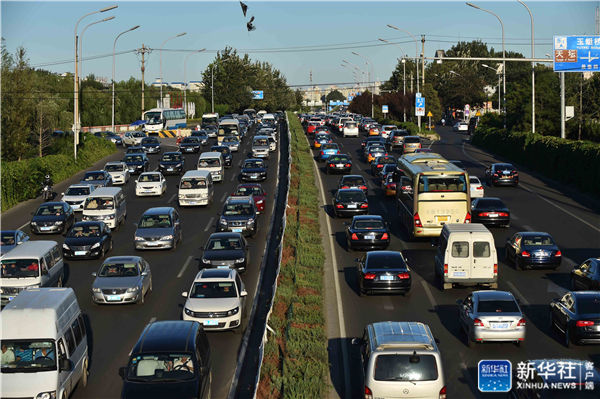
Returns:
<point x="213" y="163"/>
<point x="261" y="147"/>
<point x="196" y="188"/>
<point x="106" y="204"/>
<point x="31" y="264"/>
<point x="45" y="338"/>
<point x="466" y="255"/>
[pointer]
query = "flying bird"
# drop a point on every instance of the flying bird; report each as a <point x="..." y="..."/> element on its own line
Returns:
<point x="250" y="26"/>
<point x="244" y="8"/>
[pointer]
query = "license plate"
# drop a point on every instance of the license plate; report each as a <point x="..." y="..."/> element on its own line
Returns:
<point x="499" y="325"/>
<point x="443" y="218"/>
<point x="80" y="253"/>
<point x="170" y="169"/>
<point x="223" y="267"/>
<point x="541" y="253"/>
<point x="152" y="244"/>
<point x="210" y="322"/>
<point x="493" y="215"/>
<point x="192" y="202"/>
<point x="386" y="278"/>
<point x="351" y="206"/>
<point x="149" y="191"/>
<point x="459" y="274"/>
<point x="113" y="297"/>
<point x="340" y="165"/>
<point x="254" y="177"/>
<point x="237" y="230"/>
<point x="44" y="228"/>
<point x="131" y="170"/>
<point x="506" y="172"/>
<point x="369" y="236"/>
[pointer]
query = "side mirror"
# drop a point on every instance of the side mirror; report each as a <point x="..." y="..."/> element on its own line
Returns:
<point x="144" y="273"/>
<point x="122" y="372"/>
<point x="184" y="294"/>
<point x="244" y="293"/>
<point x="44" y="272"/>
<point x="65" y="364"/>
<point x="94" y="274"/>
<point x="62" y="193"/>
<point x="357" y="341"/>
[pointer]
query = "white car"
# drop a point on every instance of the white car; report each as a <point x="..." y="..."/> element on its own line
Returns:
<point x="216" y="299"/>
<point x="118" y="171"/>
<point x="76" y="195"/>
<point x="133" y="138"/>
<point x="150" y="183"/>
<point x="460" y="127"/>
<point x="350" y="129"/>
<point x="272" y="144"/>
<point x="386" y="129"/>
<point x="477" y="190"/>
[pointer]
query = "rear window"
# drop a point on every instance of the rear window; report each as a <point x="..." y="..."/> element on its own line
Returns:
<point x="537" y="240"/>
<point x="588" y="304"/>
<point x="488" y="203"/>
<point x="412" y="140"/>
<point x="440" y="183"/>
<point x="400" y="368"/>
<point x="460" y="249"/>
<point x="388" y="261"/>
<point x="353" y="181"/>
<point x="481" y="249"/>
<point x="496" y="306"/>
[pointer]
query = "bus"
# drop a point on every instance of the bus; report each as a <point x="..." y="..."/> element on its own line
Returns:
<point x="158" y="119"/>
<point x="228" y="127"/>
<point x="210" y="120"/>
<point x="431" y="192"/>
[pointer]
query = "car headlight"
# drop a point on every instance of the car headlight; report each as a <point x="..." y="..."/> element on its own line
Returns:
<point x="240" y="260"/>
<point x="96" y="290"/>
<point x="65" y="246"/>
<point x="133" y="289"/>
<point x="204" y="260"/>
<point x="181" y="196"/>
<point x="187" y="311"/>
<point x="179" y="165"/>
<point x="223" y="221"/>
<point x="137" y="238"/>
<point x="96" y="245"/>
<point x="233" y="311"/>
<point x="109" y="217"/>
<point x="46" y="395"/>
<point x="33" y="223"/>
<point x="58" y="222"/>
<point x="251" y="221"/>
<point x="167" y="237"/>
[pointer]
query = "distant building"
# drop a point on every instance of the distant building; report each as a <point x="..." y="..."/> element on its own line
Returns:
<point x="195" y="85"/>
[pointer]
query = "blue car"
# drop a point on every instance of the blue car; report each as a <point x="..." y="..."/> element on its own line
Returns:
<point x="11" y="238"/>
<point x="97" y="178"/>
<point x="151" y="145"/>
<point x="327" y="150"/>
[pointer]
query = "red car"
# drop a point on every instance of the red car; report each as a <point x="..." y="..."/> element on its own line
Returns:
<point x="256" y="191"/>
<point x="312" y="126"/>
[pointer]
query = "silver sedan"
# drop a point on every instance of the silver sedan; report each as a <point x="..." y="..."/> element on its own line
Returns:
<point x="122" y="279"/>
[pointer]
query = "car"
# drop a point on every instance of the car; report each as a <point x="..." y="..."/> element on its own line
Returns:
<point x="272" y="142"/>
<point x="150" y="183"/>
<point x="350" y="129"/>
<point x="190" y="144"/>
<point x="576" y="316"/>
<point x="133" y="138"/>
<point x="226" y="250"/>
<point x="122" y="279"/>
<point x="97" y="178"/>
<point x="501" y="174"/>
<point x="172" y="163"/>
<point x="411" y="144"/>
<point x="477" y="190"/>
<point x="76" y="194"/>
<point x="137" y="163"/>
<point x="312" y="126"/>
<point x="328" y="149"/>
<point x="226" y="152"/>
<point x="386" y="170"/>
<point x="367" y="232"/>
<point x="379" y="162"/>
<point x="87" y="240"/>
<point x="396" y="138"/>
<point x="119" y="172"/>
<point x="253" y="169"/>
<point x="52" y="217"/>
<point x="422" y="150"/>
<point x="374" y="139"/>
<point x="389" y="184"/>
<point x="232" y="142"/>
<point x="460" y="127"/>
<point x="353" y="181"/>
<point x="216" y="299"/>
<point x="211" y="131"/>
<point x="202" y="135"/>
<point x="239" y="216"/>
<point x="386" y="130"/>
<point x="320" y="139"/>
<point x="349" y="202"/>
<point x="158" y="228"/>
<point x="530" y="249"/>
<point x="585" y="276"/>
<point x="375" y="151"/>
<point x="375" y="130"/>
<point x="135" y="149"/>
<point x="10" y="239"/>
<point x="114" y="138"/>
<point x="457" y="163"/>
<point x="256" y="191"/>
<point x="338" y="163"/>
<point x="151" y="145"/>
<point x="490" y="211"/>
<point x="491" y="316"/>
<point x="383" y="271"/>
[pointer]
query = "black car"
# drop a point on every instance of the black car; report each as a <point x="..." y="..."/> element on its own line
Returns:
<point x="387" y="169"/>
<point x="338" y="163"/>
<point x="576" y="316"/>
<point x="349" y="202"/>
<point x="226" y="152"/>
<point x="226" y="250"/>
<point x="502" y="174"/>
<point x="137" y="163"/>
<point x="586" y="276"/>
<point x="202" y="135"/>
<point x="353" y="181"/>
<point x="211" y="130"/>
<point x="383" y="271"/>
<point x="379" y="162"/>
<point x="239" y="216"/>
<point x="530" y="249"/>
<point x="253" y="170"/>
<point x="372" y="139"/>
<point x="190" y="144"/>
<point x="151" y="145"/>
<point x="135" y="149"/>
<point x="490" y="211"/>
<point x="52" y="217"/>
<point x="171" y="359"/>
<point x="87" y="240"/>
<point x="367" y="232"/>
<point x="116" y="139"/>
<point x="396" y="138"/>
<point x="171" y="163"/>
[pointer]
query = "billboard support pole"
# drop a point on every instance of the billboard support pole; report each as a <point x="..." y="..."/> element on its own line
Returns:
<point x="563" y="134"/>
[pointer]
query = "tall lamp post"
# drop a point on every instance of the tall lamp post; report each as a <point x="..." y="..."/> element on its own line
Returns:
<point x="403" y="71"/>
<point x="76" y="81"/>
<point x="493" y="69"/>
<point x="81" y="42"/>
<point x="160" y="57"/>
<point x="113" y="74"/>
<point x="185" y="77"/>
<point x="367" y="61"/>
<point x="532" y="69"/>
<point x="212" y="83"/>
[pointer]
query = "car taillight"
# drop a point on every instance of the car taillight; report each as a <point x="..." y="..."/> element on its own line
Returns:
<point x="478" y="322"/>
<point x="339" y="206"/>
<point x="385" y="236"/>
<point x="364" y="205"/>
<point x="379" y="166"/>
<point x="484" y="214"/>
<point x="521" y="322"/>
<point x="525" y="254"/>
<point x="368" y="393"/>
<point x="403" y="276"/>
<point x="468" y="218"/>
<point x="515" y="173"/>
<point x="495" y="268"/>
<point x="503" y="214"/>
<point x="354" y="236"/>
<point x="345" y="187"/>
<point x="584" y="323"/>
<point x="417" y="220"/>
<point x="331" y="165"/>
<point x="479" y="188"/>
<point x="322" y="153"/>
<point x="370" y="276"/>
<point x="443" y="393"/>
<point x="558" y="253"/>
<point x="348" y="165"/>
<point x="445" y="269"/>
<point x="363" y="187"/>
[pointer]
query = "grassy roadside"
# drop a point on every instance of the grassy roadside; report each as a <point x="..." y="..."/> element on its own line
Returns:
<point x="295" y="363"/>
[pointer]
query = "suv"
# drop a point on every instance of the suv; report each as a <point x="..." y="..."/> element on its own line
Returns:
<point x="401" y="356"/>
<point x="239" y="216"/>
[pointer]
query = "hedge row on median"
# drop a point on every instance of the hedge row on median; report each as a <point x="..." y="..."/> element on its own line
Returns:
<point x="21" y="180"/>
<point x="568" y="161"/>
<point x="295" y="363"/>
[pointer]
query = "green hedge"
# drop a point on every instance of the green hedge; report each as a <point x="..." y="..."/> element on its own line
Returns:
<point x="21" y="180"/>
<point x="568" y="161"/>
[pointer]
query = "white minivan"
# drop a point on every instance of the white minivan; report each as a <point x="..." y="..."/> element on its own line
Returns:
<point x="212" y="162"/>
<point x="44" y="345"/>
<point x="196" y="188"/>
<point x="106" y="204"/>
<point x="466" y="255"/>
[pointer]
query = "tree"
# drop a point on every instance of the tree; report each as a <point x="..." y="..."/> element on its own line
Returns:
<point x="335" y="95"/>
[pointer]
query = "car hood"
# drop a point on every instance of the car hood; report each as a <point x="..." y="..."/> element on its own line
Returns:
<point x="223" y="254"/>
<point x="169" y="163"/>
<point x="116" y="282"/>
<point x="154" y="231"/>
<point x="49" y="218"/>
<point x="212" y="304"/>
<point x="143" y="390"/>
<point x="73" y="197"/>
<point x="81" y="241"/>
<point x="148" y="184"/>
<point x="231" y="218"/>
<point x="16" y="385"/>
<point x="254" y="170"/>
<point x="189" y="144"/>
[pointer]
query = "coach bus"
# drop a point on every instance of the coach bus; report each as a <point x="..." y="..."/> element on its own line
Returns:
<point x="158" y="119"/>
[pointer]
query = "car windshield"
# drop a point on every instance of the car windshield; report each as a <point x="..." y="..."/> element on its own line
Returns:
<point x="331" y="146"/>
<point x="230" y="139"/>
<point x="353" y="181"/>
<point x="350" y="125"/>
<point x="412" y="140"/>
<point x="20" y="268"/>
<point x="152" y="117"/>
<point x="386" y="261"/>
<point x="503" y="166"/>
<point x="351" y="196"/>
<point x="161" y="367"/>
<point x="50" y="210"/>
<point x="238" y="210"/>
<point x="588" y="304"/>
<point x="213" y="289"/>
<point x="193" y="140"/>
<point x="259" y="142"/>
<point x="406" y="368"/>
<point x="474" y="180"/>
<point x="155" y="221"/>
<point x="194" y="182"/>
<point x="149" y="177"/>
<point x="489" y="203"/>
<point x="386" y="160"/>
<point x="322" y="137"/>
<point x="368" y="224"/>
<point x="99" y="203"/>
<point x="25" y="355"/>
<point x="221" y="149"/>
<point x="244" y="190"/>
<point x="254" y="164"/>
<point x="338" y="158"/>
<point x="118" y="270"/>
<point x="150" y="140"/>
<point x="85" y="231"/>
<point x="114" y="168"/>
<point x="538" y="240"/>
<point x="216" y="244"/>
<point x="209" y="162"/>
<point x="376" y="148"/>
<point x="497" y="306"/>
<point x="171" y="158"/>
<point x="139" y="134"/>
<point x="442" y="183"/>
<point x="90" y="176"/>
<point x="77" y="191"/>
<point x="8" y="239"/>
<point x="200" y="134"/>
<point x="134" y="158"/>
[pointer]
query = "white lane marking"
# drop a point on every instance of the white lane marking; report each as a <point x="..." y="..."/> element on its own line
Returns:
<point x="232" y="177"/>
<point x="514" y="217"/>
<point x="21" y="228"/>
<point x="152" y="320"/>
<point x="172" y="197"/>
<point x="470" y="157"/>
<point x="185" y="265"/>
<point x="210" y="222"/>
<point x="430" y="144"/>
<point x="223" y="197"/>
<point x="528" y="228"/>
<point x="517" y="293"/>
<point x="358" y="167"/>
<point x="429" y="293"/>
<point x="388" y="305"/>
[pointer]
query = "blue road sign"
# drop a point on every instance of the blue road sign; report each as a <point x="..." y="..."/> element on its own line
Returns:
<point x="576" y="53"/>
<point x="257" y="95"/>
<point x="494" y="375"/>
<point x="384" y="109"/>
<point x="420" y="106"/>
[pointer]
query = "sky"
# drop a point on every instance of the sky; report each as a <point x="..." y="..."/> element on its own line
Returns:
<point x="295" y="37"/>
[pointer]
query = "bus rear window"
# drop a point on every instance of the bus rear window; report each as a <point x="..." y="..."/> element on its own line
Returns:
<point x="429" y="184"/>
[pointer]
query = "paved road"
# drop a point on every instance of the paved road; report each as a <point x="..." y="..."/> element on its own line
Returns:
<point x="115" y="329"/>
<point x="534" y="206"/>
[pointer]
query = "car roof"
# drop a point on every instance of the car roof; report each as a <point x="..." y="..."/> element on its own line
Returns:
<point x="211" y="154"/>
<point x="376" y="254"/>
<point x="352" y="176"/>
<point x="367" y="217"/>
<point x="151" y="172"/>
<point x="494" y="295"/>
<point x="239" y="199"/>
<point x="220" y="274"/>
<point x="130" y="258"/>
<point x="159" y="210"/>
<point x="225" y="234"/>
<point x="168" y="336"/>
<point x="254" y="160"/>
<point x="81" y="185"/>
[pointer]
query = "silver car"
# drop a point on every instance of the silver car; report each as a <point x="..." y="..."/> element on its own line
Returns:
<point x="122" y="279"/>
<point x="118" y="171"/>
<point x="491" y="316"/>
<point x="76" y="195"/>
<point x="232" y="142"/>
<point x="159" y="228"/>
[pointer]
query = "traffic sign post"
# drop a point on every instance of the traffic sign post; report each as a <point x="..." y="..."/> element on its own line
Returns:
<point x="429" y="114"/>
<point x="258" y="95"/>
<point x="420" y="106"/>
<point x="576" y="53"/>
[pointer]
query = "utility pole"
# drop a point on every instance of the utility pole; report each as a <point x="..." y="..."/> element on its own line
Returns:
<point x="143" y="51"/>
<point x="312" y="92"/>
<point x="423" y="61"/>
<point x="580" y="106"/>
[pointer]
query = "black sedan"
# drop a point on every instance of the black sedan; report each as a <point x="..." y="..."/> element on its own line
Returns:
<point x="253" y="170"/>
<point x="226" y="152"/>
<point x="576" y="316"/>
<point x="586" y="276"/>
<point x="502" y="174"/>
<point x="52" y="217"/>
<point x="202" y="135"/>
<point x="530" y="249"/>
<point x="367" y="232"/>
<point x="137" y="163"/>
<point x="387" y="169"/>
<point x="338" y="163"/>
<point x="379" y="162"/>
<point x="353" y="181"/>
<point x="87" y="240"/>
<point x="151" y="145"/>
<point x="190" y="144"/>
<point x="226" y="250"/>
<point x="372" y="139"/>
<point x="490" y="211"/>
<point x="171" y="163"/>
<point x="383" y="271"/>
<point x="349" y="202"/>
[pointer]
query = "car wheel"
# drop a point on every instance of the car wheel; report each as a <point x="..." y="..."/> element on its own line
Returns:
<point x="59" y="283"/>
<point x="150" y="286"/>
<point x="141" y="300"/>
<point x="85" y="373"/>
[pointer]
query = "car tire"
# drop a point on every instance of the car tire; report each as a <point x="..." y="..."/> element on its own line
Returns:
<point x="60" y="282"/>
<point x="141" y="300"/>
<point x="85" y="373"/>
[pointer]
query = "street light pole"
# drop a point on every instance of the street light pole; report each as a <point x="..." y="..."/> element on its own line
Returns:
<point x="403" y="71"/>
<point x="532" y="68"/>
<point x="113" y="74"/>
<point x="81" y="42"/>
<point x="185" y="78"/>
<point x="160" y="57"/>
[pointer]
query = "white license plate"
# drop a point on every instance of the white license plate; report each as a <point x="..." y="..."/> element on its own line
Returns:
<point x="45" y="228"/>
<point x="369" y="236"/>
<point x="170" y="169"/>
<point x="149" y="191"/>
<point x="80" y="253"/>
<point x="351" y="206"/>
<point x="386" y="278"/>
<point x="254" y="177"/>
<point x="223" y="267"/>
<point x="152" y="244"/>
<point x="113" y="297"/>
<point x="192" y="202"/>
<point x="493" y="215"/>
<point x="210" y="322"/>
<point x="131" y="170"/>
<point x="459" y="274"/>
<point x="237" y="230"/>
<point x="541" y="253"/>
<point x="499" y="325"/>
<point x="340" y="165"/>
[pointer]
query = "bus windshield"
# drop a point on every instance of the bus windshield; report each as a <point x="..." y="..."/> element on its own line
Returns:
<point x="428" y="183"/>
<point x="210" y="120"/>
<point x="152" y="117"/>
